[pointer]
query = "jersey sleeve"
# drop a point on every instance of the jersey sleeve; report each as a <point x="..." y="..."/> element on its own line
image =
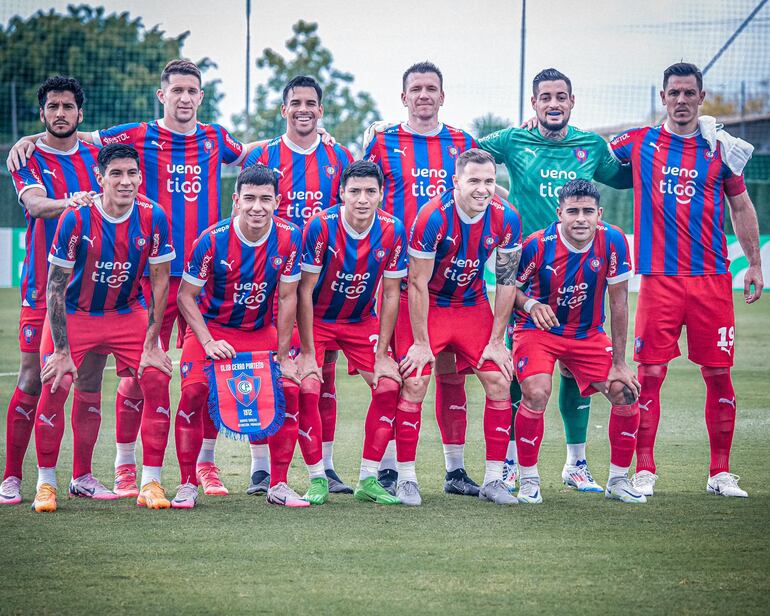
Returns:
<point x="530" y="260"/>
<point x="622" y="145"/>
<point x="495" y="144"/>
<point x="396" y="267"/>
<point x="64" y="248"/>
<point x="291" y="268"/>
<point x="27" y="177"/>
<point x="343" y="156"/>
<point x="315" y="242"/>
<point x="162" y="250"/>
<point x="255" y="156"/>
<point x="425" y="233"/>
<point x="122" y="133"/>
<point x="372" y="146"/>
<point x="610" y="170"/>
<point x="511" y="239"/>
<point x="734" y="184"/>
<point x="618" y="256"/>
<point x="200" y="266"/>
<point x="232" y="150"/>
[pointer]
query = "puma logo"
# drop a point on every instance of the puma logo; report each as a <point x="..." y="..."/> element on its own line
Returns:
<point x="94" y="410"/>
<point x="306" y="434"/>
<point x="227" y="264"/>
<point x="326" y="394"/>
<point x="530" y="151"/>
<point x="452" y="239"/>
<point x="133" y="406"/>
<point x="49" y="172"/>
<point x="335" y="252"/>
<point x="292" y="416"/>
<point x="163" y="411"/>
<point x="628" y="434"/>
<point x="730" y="401"/>
<point x="159" y="144"/>
<point x="727" y="350"/>
<point x="528" y="441"/>
<point x="402" y="152"/>
<point x="27" y="414"/>
<point x="46" y="421"/>
<point x="278" y="171"/>
<point x="646" y="405"/>
<point x="410" y="424"/>
<point x="184" y="415"/>
<point x="90" y="240"/>
<point x="501" y="429"/>
<point x="388" y="420"/>
<point x="457" y="407"/>
<point x="656" y="147"/>
<point x="551" y="268"/>
<point x="584" y="406"/>
<point x="516" y="404"/>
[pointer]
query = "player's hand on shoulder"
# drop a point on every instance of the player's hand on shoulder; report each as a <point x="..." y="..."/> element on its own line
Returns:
<point x="307" y="366"/>
<point x="417" y="357"/>
<point x="20" y="153"/>
<point x="543" y="316"/>
<point x="385" y="367"/>
<point x="326" y="136"/>
<point x="530" y="124"/>
<point x="83" y="198"/>
<point x="289" y="369"/>
<point x="496" y="352"/>
<point x="753" y="277"/>
<point x="56" y="367"/>
<point x="219" y="349"/>
<point x="155" y="357"/>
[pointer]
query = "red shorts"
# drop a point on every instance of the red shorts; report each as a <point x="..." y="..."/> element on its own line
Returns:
<point x="464" y="330"/>
<point x="194" y="356"/>
<point x="121" y="335"/>
<point x="172" y="314"/>
<point x="703" y="304"/>
<point x="31" y="322"/>
<point x="589" y="360"/>
<point x="356" y="340"/>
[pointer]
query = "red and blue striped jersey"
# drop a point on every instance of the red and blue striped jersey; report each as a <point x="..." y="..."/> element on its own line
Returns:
<point x="108" y="255"/>
<point x="679" y="201"/>
<point x="181" y="173"/>
<point x="351" y="264"/>
<point x="238" y="277"/>
<point x="308" y="180"/>
<point x="59" y="174"/>
<point x="461" y="246"/>
<point x="416" y="167"/>
<point x="571" y="281"/>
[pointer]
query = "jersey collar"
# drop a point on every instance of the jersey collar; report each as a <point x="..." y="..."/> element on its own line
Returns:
<point x="298" y="149"/>
<point x="350" y="230"/>
<point x="431" y="133"/>
<point x="259" y="242"/>
<point x="190" y="132"/>
<point x="569" y="246"/>
<point x="47" y="148"/>
<point x="688" y="136"/>
<point x="116" y="221"/>
<point x="468" y="220"/>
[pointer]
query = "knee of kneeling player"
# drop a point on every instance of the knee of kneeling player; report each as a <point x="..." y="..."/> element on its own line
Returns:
<point x="29" y="379"/>
<point x="620" y="394"/>
<point x="415" y="388"/>
<point x="310" y="385"/>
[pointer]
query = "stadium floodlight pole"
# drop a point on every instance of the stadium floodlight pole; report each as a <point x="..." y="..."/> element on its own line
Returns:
<point x="248" y="61"/>
<point x="521" y="59"/>
<point x="734" y="36"/>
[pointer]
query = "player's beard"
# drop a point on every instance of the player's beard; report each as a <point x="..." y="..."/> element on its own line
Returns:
<point x="56" y="132"/>
<point x="554" y="127"/>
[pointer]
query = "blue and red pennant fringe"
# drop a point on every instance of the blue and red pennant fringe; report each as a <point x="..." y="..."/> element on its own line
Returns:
<point x="246" y="395"/>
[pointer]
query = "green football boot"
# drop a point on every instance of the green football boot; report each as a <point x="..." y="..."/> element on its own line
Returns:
<point x="369" y="490"/>
<point x="318" y="493"/>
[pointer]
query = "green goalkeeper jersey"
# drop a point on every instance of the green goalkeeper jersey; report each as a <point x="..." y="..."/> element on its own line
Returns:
<point x="539" y="167"/>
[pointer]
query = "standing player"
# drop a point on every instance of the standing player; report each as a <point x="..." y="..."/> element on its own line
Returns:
<point x="95" y="304"/>
<point x="418" y="159"/>
<point x="682" y="173"/>
<point x="540" y="161"/>
<point x="566" y="269"/>
<point x="452" y="238"/>
<point x="60" y="168"/>
<point x="348" y="250"/>
<point x="242" y="263"/>
<point x="180" y="166"/>
<point x="309" y="181"/>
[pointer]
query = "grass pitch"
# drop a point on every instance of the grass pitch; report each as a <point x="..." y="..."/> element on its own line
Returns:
<point x="684" y="552"/>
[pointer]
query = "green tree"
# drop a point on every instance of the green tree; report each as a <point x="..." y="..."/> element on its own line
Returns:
<point x="116" y="58"/>
<point x="346" y="113"/>
<point x="487" y="124"/>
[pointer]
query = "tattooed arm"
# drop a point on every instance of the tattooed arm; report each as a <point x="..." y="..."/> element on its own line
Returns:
<point x="60" y="363"/>
<point x="153" y="355"/>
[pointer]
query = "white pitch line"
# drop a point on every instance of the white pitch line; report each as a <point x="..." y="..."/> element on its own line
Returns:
<point x="2" y="374"/>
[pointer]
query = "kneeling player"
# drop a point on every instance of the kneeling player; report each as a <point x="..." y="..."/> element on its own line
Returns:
<point x="239" y="263"/>
<point x="348" y="249"/>
<point x="452" y="238"/>
<point x="95" y="305"/>
<point x="566" y="269"/>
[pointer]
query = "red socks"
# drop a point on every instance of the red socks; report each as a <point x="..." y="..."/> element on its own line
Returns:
<point x="720" y="417"/>
<point x="380" y="419"/>
<point x="128" y="410"/>
<point x="451" y="408"/>
<point x="282" y="443"/>
<point x="327" y="405"/>
<point x="624" y="424"/>
<point x="188" y="429"/>
<point x="651" y="379"/>
<point x="156" y="417"/>
<point x="18" y="430"/>
<point x="529" y="427"/>
<point x="309" y="432"/>
<point x="86" y="419"/>
<point x="497" y="428"/>
<point x="49" y="422"/>
<point x="407" y="429"/>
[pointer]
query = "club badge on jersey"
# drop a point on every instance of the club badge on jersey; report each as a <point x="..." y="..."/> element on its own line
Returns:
<point x="246" y="396"/>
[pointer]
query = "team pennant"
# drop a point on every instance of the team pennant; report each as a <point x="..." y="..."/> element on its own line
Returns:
<point x="246" y="395"/>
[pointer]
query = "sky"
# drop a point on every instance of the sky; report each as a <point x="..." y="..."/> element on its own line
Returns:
<point x="614" y="51"/>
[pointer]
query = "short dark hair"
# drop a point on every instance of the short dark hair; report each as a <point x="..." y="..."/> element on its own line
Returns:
<point x="115" y="151"/>
<point x="179" y="67"/>
<point x="362" y="169"/>
<point x="550" y="74"/>
<point x="61" y="84"/>
<point x="577" y="189"/>
<point x="257" y="175"/>
<point x="474" y="155"/>
<point x="683" y="69"/>
<point x="302" y="81"/>
<point x="423" y="67"/>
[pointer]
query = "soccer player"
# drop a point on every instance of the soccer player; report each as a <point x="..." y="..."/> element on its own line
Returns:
<point x="565" y="270"/>
<point x="181" y="160"/>
<point x="540" y="160"/>
<point x="451" y="240"/>
<point x="95" y="304"/>
<point x="418" y="158"/>
<point x="348" y="250"/>
<point x="240" y="264"/>
<point x="682" y="172"/>
<point x="309" y="181"/>
<point x="61" y="168"/>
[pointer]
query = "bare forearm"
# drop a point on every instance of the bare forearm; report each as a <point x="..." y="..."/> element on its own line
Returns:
<point x="418" y="311"/>
<point x="287" y="311"/>
<point x="504" y="298"/>
<point x="746" y="227"/>
<point x="193" y="317"/>
<point x="58" y="277"/>
<point x="305" y="315"/>
<point x="158" y="301"/>
<point x="619" y="322"/>
<point x="40" y="206"/>
<point x="388" y="316"/>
